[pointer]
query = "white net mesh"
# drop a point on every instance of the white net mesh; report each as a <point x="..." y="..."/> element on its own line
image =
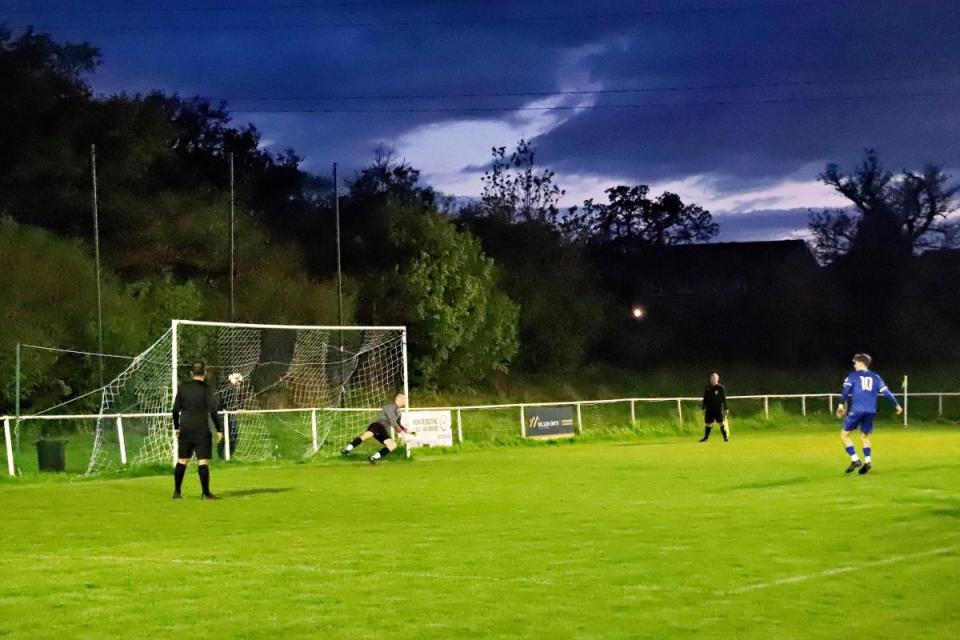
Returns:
<point x="295" y="392"/>
<point x="143" y="392"/>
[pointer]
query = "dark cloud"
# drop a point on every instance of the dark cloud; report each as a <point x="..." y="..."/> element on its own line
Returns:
<point x="749" y="137"/>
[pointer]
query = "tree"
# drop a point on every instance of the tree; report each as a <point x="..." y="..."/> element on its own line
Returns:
<point x="49" y="299"/>
<point x="387" y="180"/>
<point x="443" y="288"/>
<point x="514" y="191"/>
<point x="631" y="220"/>
<point x="539" y="269"/>
<point x="895" y="217"/>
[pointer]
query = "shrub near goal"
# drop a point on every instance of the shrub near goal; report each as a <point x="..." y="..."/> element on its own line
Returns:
<point x="286" y="391"/>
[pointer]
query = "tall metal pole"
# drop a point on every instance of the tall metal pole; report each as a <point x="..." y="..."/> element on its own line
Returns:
<point x="96" y="256"/>
<point x="16" y="402"/>
<point x="336" y="215"/>
<point x="232" y="243"/>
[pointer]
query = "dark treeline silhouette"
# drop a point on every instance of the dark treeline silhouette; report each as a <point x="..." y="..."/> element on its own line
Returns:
<point x="510" y="281"/>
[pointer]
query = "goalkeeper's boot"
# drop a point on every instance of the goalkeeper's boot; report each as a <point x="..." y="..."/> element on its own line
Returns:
<point x="176" y="495"/>
<point x="210" y="496"/>
<point x="853" y="466"/>
<point x="865" y="468"/>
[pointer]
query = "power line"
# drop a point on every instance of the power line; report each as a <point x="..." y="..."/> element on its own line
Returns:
<point x="463" y="21"/>
<point x="709" y="103"/>
<point x="581" y="92"/>
<point x="275" y="7"/>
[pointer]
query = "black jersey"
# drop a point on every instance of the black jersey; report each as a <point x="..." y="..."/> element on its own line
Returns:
<point x="196" y="402"/>
<point x="714" y="398"/>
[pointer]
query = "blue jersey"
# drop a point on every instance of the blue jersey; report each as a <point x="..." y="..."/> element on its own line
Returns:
<point x="864" y="387"/>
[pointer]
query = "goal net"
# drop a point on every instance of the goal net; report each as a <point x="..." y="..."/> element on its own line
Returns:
<point x="284" y="391"/>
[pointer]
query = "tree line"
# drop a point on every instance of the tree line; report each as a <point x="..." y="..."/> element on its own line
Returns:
<point x="510" y="281"/>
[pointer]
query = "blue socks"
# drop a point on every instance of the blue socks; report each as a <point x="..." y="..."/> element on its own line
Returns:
<point x="866" y="454"/>
<point x="852" y="452"/>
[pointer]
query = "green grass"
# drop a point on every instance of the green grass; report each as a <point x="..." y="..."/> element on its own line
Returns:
<point x="636" y="537"/>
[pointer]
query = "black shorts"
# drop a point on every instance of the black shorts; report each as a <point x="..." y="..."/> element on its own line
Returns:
<point x="199" y="444"/>
<point x="713" y="415"/>
<point x="379" y="431"/>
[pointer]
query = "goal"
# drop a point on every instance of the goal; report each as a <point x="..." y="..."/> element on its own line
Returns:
<point x="285" y="391"/>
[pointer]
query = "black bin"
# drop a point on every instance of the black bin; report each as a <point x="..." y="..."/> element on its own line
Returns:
<point x="52" y="455"/>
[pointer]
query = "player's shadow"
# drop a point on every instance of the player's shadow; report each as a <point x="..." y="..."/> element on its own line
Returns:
<point x="766" y="484"/>
<point x="641" y="444"/>
<point x="242" y="493"/>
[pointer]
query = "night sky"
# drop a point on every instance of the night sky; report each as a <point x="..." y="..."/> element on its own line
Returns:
<point x="734" y="104"/>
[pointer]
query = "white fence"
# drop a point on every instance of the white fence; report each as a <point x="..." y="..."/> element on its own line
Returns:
<point x="511" y="421"/>
<point x="676" y="412"/>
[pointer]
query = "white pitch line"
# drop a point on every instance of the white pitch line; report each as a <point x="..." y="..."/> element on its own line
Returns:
<point x="832" y="572"/>
<point x="277" y="567"/>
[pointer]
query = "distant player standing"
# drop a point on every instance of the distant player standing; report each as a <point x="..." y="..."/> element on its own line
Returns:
<point x="861" y="387"/>
<point x="380" y="429"/>
<point x="196" y="402"/>
<point x="714" y="406"/>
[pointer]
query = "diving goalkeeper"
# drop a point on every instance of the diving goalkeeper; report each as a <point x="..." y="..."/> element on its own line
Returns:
<point x="380" y="429"/>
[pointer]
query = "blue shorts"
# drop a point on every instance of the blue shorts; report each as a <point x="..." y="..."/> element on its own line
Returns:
<point x="860" y="419"/>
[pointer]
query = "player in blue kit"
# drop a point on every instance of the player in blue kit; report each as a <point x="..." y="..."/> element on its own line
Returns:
<point x="861" y="388"/>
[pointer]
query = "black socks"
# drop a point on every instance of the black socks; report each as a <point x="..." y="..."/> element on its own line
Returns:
<point x="356" y="442"/>
<point x="204" y="472"/>
<point x="178" y="472"/>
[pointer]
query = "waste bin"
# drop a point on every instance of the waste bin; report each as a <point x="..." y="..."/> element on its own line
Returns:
<point x="51" y="455"/>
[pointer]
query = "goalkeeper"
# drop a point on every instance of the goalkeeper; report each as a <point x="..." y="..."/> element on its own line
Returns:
<point x="231" y="399"/>
<point x="389" y="418"/>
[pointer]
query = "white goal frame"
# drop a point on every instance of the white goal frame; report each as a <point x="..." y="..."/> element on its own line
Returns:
<point x="174" y="361"/>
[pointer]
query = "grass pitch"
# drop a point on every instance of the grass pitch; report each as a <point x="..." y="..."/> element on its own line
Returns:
<point x="648" y="538"/>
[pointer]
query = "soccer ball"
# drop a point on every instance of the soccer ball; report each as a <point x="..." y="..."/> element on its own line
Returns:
<point x="235" y="378"/>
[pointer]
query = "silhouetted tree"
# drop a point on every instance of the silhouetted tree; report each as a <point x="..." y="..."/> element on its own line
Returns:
<point x="891" y="216"/>
<point x="632" y="220"/>
<point x="513" y="191"/>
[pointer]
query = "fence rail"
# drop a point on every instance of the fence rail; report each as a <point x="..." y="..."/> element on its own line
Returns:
<point x="510" y="424"/>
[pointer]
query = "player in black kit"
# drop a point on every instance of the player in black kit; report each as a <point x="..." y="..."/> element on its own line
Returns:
<point x="196" y="402"/>
<point x="380" y="429"/>
<point x="714" y="407"/>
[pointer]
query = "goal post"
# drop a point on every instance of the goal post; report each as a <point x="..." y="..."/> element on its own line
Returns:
<point x="285" y="391"/>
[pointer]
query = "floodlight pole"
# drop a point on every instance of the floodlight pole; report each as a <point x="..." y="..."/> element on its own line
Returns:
<point x="336" y="216"/>
<point x="16" y="401"/>
<point x="232" y="240"/>
<point x="96" y="255"/>
<point x="16" y="387"/>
